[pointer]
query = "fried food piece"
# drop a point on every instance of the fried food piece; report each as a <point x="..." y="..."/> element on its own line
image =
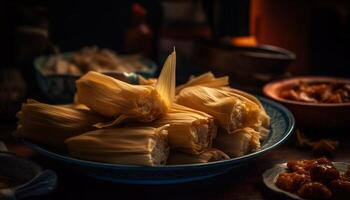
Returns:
<point x="301" y="166"/>
<point x="314" y="190"/>
<point x="291" y="182"/>
<point x="324" y="173"/>
<point x="340" y="188"/>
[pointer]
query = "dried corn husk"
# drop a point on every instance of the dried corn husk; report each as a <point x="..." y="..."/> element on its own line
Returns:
<point x="230" y="111"/>
<point x="238" y="143"/>
<point x="208" y="155"/>
<point x="208" y="80"/>
<point x="52" y="124"/>
<point x="190" y="130"/>
<point x="130" y="146"/>
<point x="114" y="98"/>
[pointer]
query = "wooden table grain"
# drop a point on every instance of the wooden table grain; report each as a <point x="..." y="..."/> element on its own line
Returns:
<point x="240" y="183"/>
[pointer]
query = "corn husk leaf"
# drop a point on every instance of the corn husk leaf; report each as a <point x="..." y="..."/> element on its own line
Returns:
<point x="238" y="143"/>
<point x="208" y="155"/>
<point x="52" y="124"/>
<point x="128" y="146"/>
<point x="208" y="80"/>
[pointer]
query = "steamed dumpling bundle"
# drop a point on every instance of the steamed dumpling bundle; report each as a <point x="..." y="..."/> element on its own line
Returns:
<point x="230" y="110"/>
<point x="208" y="155"/>
<point x="190" y="130"/>
<point x="238" y="143"/>
<point x="120" y="100"/>
<point x="130" y="146"/>
<point x="52" y="124"/>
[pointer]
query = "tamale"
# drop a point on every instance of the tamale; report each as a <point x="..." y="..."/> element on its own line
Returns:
<point x="52" y="124"/>
<point x="130" y="146"/>
<point x="120" y="100"/>
<point x="238" y="143"/>
<point x="263" y="127"/>
<point x="208" y="155"/>
<point x="190" y="130"/>
<point x="208" y="80"/>
<point x="230" y="111"/>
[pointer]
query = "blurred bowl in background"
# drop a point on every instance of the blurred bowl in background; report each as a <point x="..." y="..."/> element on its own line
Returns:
<point x="249" y="66"/>
<point x="312" y="116"/>
<point x="60" y="88"/>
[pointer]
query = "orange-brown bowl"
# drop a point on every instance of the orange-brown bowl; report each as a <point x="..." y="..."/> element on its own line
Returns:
<point x="313" y="116"/>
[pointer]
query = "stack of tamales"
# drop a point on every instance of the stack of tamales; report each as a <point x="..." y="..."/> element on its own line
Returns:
<point x="242" y="120"/>
<point x="149" y="124"/>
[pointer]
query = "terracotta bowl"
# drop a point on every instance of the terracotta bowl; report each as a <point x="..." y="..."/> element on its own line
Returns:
<point x="313" y="116"/>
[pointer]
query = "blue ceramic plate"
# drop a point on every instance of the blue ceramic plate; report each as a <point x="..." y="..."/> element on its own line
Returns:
<point x="282" y="124"/>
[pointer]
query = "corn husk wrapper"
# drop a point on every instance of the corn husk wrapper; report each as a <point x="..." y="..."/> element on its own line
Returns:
<point x="238" y="143"/>
<point x="208" y="80"/>
<point x="190" y="130"/>
<point x="52" y="124"/>
<point x="128" y="146"/>
<point x="208" y="155"/>
<point x="120" y="100"/>
<point x="230" y="112"/>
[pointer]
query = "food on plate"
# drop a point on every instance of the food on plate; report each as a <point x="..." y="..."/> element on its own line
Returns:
<point x="238" y="143"/>
<point x="92" y="59"/>
<point x="52" y="124"/>
<point x="134" y="146"/>
<point x="314" y="190"/>
<point x="190" y="130"/>
<point x="318" y="92"/>
<point x="208" y="155"/>
<point x="116" y="122"/>
<point x="231" y="111"/>
<point x="117" y="99"/>
<point x="314" y="179"/>
<point x="322" y="147"/>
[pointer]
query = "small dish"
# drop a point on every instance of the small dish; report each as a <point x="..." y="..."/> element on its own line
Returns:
<point x="27" y="178"/>
<point x="313" y="116"/>
<point x="270" y="176"/>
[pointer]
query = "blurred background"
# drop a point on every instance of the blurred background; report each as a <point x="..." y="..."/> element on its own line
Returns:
<point x="252" y="41"/>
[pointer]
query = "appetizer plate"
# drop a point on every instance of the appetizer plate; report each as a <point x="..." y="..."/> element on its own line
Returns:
<point x="282" y="124"/>
<point x="270" y="177"/>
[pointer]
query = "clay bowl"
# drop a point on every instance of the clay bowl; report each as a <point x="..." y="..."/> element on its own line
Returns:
<point x="322" y="117"/>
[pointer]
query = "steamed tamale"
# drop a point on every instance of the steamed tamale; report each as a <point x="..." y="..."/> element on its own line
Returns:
<point x="208" y="80"/>
<point x="52" y="124"/>
<point x="129" y="146"/>
<point x="238" y="143"/>
<point x="230" y="111"/>
<point x="120" y="100"/>
<point x="263" y="129"/>
<point x="208" y="155"/>
<point x="190" y="130"/>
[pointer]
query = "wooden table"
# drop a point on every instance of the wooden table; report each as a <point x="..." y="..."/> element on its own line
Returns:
<point x="240" y="183"/>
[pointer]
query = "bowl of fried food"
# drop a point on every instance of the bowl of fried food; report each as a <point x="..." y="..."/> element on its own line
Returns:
<point x="318" y="103"/>
<point x="310" y="179"/>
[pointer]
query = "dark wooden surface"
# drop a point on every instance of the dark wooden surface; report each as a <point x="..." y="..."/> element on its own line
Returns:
<point x="240" y="183"/>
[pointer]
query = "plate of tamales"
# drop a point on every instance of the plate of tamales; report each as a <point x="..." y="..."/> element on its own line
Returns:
<point x="155" y="132"/>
